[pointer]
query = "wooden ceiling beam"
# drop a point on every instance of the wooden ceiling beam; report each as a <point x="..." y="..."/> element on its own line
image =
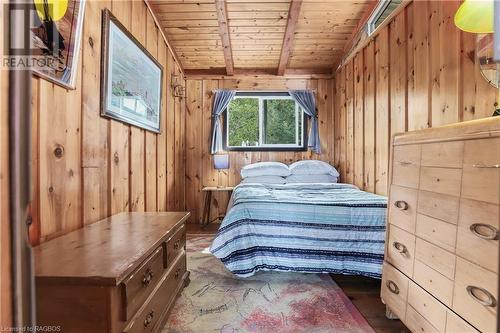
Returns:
<point x="224" y="35"/>
<point x="291" y="24"/>
<point x="304" y="73"/>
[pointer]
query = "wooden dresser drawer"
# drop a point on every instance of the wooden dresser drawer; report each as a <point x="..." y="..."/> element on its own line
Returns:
<point x="406" y="165"/>
<point x="403" y="207"/>
<point x="417" y="323"/>
<point x="441" y="180"/>
<point x="394" y="290"/>
<point x="401" y="250"/>
<point x="437" y="232"/>
<point x="427" y="306"/>
<point x="139" y="285"/>
<point x="481" y="171"/>
<point x="175" y="245"/>
<point x="455" y="324"/>
<point x="443" y="154"/>
<point x="435" y="257"/>
<point x="150" y="314"/>
<point x="434" y="282"/>
<point x="439" y="206"/>
<point x="478" y="233"/>
<point x="475" y="295"/>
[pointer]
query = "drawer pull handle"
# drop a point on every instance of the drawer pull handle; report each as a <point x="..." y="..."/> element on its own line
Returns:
<point x="149" y="319"/>
<point x="401" y="205"/>
<point x="400" y="247"/>
<point x="392" y="286"/>
<point x="405" y="162"/>
<point x="148" y="276"/>
<point x="177" y="244"/>
<point x="492" y="231"/>
<point x="473" y="292"/>
<point x="177" y="273"/>
<point x="482" y="166"/>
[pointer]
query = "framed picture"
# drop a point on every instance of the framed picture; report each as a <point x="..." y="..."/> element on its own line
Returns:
<point x="131" y="78"/>
<point x="56" y="34"/>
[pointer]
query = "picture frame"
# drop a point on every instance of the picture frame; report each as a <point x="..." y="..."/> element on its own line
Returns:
<point x="131" y="78"/>
<point x="60" y="55"/>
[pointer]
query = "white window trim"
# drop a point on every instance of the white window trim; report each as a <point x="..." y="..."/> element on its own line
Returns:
<point x="381" y="6"/>
<point x="261" y="99"/>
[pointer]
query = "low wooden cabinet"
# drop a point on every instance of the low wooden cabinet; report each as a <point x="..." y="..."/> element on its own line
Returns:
<point x="121" y="274"/>
<point x="441" y="260"/>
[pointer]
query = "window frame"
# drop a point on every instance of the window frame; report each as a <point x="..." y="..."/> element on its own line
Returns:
<point x="376" y="14"/>
<point x="261" y="96"/>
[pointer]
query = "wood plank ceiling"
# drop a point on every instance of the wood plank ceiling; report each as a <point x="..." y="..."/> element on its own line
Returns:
<point x="227" y="37"/>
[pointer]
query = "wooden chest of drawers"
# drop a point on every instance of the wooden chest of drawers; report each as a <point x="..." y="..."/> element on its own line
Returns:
<point x="441" y="261"/>
<point x="121" y="274"/>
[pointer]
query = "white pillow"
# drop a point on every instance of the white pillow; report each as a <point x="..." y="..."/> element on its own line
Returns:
<point x="264" y="180"/>
<point x="265" y="169"/>
<point x="313" y="167"/>
<point x="311" y="179"/>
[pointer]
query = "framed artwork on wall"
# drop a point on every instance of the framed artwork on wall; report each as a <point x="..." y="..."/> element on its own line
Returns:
<point x="131" y="78"/>
<point x="56" y="34"/>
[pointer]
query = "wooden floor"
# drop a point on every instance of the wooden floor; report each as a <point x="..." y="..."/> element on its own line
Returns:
<point x="363" y="292"/>
<point x="365" y="295"/>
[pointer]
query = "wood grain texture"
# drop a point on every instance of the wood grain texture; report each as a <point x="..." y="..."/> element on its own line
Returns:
<point x="205" y="39"/>
<point x="426" y="76"/>
<point x="359" y="119"/>
<point x="107" y="250"/>
<point x="199" y="165"/>
<point x="224" y="35"/>
<point x="106" y="167"/>
<point x="291" y="24"/>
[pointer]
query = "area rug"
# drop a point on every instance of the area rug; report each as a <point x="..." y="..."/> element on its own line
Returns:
<point x="277" y="302"/>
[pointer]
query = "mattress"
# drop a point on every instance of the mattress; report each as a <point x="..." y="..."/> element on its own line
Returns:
<point x="313" y="228"/>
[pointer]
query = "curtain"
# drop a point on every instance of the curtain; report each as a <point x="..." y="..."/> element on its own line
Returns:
<point x="306" y="100"/>
<point x="222" y="98"/>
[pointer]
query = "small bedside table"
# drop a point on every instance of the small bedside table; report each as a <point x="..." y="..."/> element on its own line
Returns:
<point x="209" y="190"/>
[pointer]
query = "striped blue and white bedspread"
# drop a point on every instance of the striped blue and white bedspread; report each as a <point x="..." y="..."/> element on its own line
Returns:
<point x="315" y="228"/>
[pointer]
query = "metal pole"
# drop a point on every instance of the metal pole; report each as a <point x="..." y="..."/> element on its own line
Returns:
<point x="20" y="139"/>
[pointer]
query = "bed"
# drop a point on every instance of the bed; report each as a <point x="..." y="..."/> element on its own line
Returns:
<point x="312" y="228"/>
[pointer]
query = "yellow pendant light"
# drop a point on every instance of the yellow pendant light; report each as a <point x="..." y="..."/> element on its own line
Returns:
<point x="56" y="9"/>
<point x="475" y="16"/>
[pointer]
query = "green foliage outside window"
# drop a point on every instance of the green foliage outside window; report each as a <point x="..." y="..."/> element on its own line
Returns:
<point x="243" y="121"/>
<point x="279" y="123"/>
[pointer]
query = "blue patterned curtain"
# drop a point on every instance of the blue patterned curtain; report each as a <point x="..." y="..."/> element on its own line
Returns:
<point x="222" y="98"/>
<point x="306" y="100"/>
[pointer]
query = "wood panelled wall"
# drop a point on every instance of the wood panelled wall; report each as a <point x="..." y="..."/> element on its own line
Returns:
<point x="106" y="166"/>
<point x="417" y="72"/>
<point x="199" y="164"/>
<point x="5" y="251"/>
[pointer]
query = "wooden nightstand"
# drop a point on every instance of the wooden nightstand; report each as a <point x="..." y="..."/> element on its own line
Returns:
<point x="209" y="190"/>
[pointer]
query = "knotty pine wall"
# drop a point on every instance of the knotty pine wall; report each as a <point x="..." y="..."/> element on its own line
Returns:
<point x="107" y="167"/>
<point x="199" y="164"/>
<point x="418" y="72"/>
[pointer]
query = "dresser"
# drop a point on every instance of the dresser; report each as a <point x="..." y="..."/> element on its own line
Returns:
<point x="121" y="274"/>
<point x="441" y="259"/>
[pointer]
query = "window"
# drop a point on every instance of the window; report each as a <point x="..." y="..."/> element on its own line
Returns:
<point x="266" y="121"/>
<point x="381" y="12"/>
